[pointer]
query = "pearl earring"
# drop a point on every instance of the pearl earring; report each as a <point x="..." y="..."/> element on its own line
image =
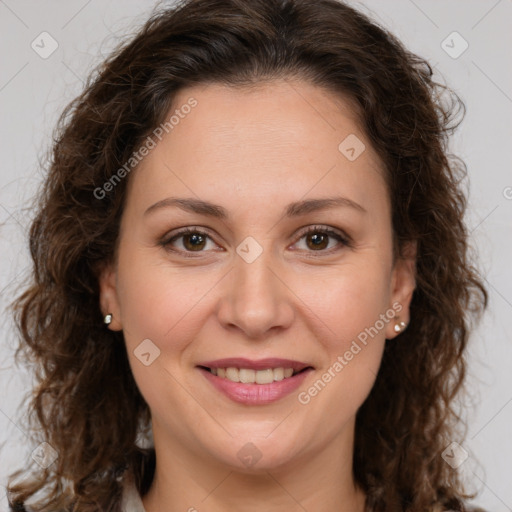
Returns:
<point x="107" y="319"/>
<point x="400" y="326"/>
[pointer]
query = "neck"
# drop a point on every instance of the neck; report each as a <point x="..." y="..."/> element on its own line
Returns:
<point x="318" y="481"/>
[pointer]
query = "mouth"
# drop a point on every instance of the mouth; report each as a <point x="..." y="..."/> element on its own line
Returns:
<point x="255" y="382"/>
<point x="251" y="376"/>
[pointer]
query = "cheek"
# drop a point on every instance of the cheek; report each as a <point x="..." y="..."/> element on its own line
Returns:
<point x="349" y="313"/>
<point x="347" y="300"/>
<point x="160" y="302"/>
<point x="349" y="309"/>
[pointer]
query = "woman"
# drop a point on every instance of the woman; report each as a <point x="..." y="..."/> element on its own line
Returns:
<point x="251" y="282"/>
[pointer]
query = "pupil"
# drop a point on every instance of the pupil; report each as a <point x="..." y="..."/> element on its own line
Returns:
<point x="317" y="239"/>
<point x="195" y="240"/>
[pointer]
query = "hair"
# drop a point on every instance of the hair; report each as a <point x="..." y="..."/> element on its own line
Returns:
<point x="87" y="405"/>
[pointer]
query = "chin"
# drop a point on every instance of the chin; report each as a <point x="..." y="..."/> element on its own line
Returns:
<point x="259" y="454"/>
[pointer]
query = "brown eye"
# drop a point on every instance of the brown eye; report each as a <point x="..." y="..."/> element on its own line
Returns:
<point x="318" y="239"/>
<point x="194" y="241"/>
<point x="187" y="240"/>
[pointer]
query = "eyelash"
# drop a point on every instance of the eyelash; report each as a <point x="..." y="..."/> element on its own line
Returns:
<point x="342" y="238"/>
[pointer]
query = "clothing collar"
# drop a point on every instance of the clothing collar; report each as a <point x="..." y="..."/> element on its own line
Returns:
<point x="131" y="500"/>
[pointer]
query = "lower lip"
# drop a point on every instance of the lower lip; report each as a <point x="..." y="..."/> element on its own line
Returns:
<point x="256" y="394"/>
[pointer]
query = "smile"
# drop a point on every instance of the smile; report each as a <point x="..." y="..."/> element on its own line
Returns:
<point x="250" y="376"/>
<point x="255" y="382"/>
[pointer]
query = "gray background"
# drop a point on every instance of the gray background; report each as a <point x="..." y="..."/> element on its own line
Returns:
<point x="33" y="91"/>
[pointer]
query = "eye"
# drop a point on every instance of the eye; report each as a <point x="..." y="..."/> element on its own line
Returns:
<point x="317" y="238"/>
<point x="192" y="240"/>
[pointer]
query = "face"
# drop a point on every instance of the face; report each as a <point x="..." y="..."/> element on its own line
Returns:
<point x="271" y="277"/>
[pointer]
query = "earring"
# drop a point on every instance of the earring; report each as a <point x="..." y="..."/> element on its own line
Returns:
<point x="400" y="326"/>
<point x="107" y="319"/>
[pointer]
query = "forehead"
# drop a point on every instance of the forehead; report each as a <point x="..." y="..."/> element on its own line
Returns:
<point x="284" y="135"/>
<point x="278" y="114"/>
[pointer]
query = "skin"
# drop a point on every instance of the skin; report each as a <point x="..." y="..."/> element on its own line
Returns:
<point x="254" y="151"/>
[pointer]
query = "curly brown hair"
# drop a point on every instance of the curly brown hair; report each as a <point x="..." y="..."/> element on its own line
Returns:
<point x="87" y="405"/>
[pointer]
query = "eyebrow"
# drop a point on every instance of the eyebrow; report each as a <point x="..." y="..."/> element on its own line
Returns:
<point x="295" y="209"/>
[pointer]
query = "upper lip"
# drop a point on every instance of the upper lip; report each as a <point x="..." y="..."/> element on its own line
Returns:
<point x="260" y="364"/>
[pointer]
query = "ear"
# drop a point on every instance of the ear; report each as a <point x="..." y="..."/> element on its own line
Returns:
<point x="403" y="284"/>
<point x="109" y="303"/>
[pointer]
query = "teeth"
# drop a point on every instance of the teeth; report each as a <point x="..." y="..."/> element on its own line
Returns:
<point x="264" y="376"/>
<point x="246" y="376"/>
<point x="278" y="373"/>
<point x="232" y="374"/>
<point x="249" y="376"/>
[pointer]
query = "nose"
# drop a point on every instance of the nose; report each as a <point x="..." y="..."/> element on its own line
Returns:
<point x="255" y="298"/>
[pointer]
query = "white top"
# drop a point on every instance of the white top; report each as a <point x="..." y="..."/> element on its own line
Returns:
<point x="131" y="500"/>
